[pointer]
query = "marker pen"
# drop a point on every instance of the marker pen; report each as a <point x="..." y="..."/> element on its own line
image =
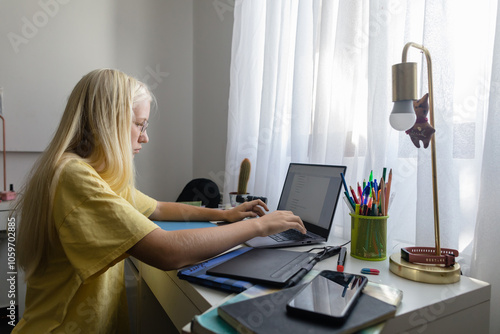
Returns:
<point x="341" y="260"/>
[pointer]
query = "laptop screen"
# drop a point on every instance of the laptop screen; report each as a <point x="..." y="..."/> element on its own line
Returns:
<point x="311" y="192"/>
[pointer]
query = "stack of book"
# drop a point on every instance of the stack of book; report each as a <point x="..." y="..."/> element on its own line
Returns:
<point x="260" y="309"/>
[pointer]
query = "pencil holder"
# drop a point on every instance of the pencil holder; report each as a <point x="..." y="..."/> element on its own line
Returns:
<point x="369" y="237"/>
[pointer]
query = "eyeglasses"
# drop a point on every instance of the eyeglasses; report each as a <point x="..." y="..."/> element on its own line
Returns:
<point x="144" y="125"/>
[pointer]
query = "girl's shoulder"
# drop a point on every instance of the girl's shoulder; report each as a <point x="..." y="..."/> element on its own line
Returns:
<point x="78" y="175"/>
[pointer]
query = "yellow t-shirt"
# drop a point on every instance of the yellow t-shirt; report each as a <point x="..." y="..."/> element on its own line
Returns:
<point x="83" y="289"/>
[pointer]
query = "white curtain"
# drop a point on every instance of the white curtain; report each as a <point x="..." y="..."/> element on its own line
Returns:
<point x="485" y="260"/>
<point x="311" y="82"/>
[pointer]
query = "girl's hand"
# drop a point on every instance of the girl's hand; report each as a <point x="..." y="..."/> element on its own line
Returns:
<point x="250" y="209"/>
<point x="279" y="221"/>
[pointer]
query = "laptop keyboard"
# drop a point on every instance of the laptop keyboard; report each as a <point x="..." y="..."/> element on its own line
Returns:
<point x="288" y="235"/>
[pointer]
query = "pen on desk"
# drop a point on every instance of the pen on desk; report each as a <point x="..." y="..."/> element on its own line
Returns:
<point x="295" y="279"/>
<point x="301" y="273"/>
<point x="341" y="260"/>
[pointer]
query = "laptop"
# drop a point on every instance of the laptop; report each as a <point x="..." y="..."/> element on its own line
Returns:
<point x="311" y="192"/>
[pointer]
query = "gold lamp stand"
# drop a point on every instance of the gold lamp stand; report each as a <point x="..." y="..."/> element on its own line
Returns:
<point x="423" y="273"/>
<point x="404" y="88"/>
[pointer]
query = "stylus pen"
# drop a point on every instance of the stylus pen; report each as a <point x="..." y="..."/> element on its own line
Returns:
<point x="301" y="273"/>
<point x="341" y="260"/>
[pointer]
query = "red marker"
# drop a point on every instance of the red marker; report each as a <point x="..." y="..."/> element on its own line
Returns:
<point x="341" y="260"/>
<point x="354" y="196"/>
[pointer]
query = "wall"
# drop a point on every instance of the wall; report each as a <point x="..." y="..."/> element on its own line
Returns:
<point x="213" y="27"/>
<point x="47" y="45"/>
<point x="182" y="49"/>
<point x="155" y="44"/>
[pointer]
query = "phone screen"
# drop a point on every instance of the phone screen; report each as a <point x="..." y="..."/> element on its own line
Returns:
<point x="330" y="295"/>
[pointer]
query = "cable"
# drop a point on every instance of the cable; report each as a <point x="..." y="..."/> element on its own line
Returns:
<point x="327" y="251"/>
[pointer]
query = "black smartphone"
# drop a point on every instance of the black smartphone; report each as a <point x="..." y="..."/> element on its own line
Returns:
<point x="329" y="297"/>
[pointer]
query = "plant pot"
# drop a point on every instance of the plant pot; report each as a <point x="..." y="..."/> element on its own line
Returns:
<point x="236" y="199"/>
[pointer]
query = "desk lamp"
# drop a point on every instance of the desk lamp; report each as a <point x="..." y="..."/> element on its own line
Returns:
<point x="422" y="264"/>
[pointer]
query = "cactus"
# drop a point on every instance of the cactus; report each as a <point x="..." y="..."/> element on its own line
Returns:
<point x="244" y="176"/>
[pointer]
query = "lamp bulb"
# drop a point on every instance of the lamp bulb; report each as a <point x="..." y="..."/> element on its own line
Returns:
<point x="403" y="116"/>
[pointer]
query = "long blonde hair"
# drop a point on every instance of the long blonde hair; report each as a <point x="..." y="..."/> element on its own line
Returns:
<point x="95" y="126"/>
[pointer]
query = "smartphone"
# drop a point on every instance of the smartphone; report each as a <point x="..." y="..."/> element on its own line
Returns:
<point x="329" y="297"/>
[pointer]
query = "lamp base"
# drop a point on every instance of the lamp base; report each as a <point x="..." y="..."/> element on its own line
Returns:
<point x="423" y="273"/>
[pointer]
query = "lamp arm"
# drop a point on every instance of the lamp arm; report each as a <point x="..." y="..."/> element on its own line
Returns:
<point x="433" y="141"/>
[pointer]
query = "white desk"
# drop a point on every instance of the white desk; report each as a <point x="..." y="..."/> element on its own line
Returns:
<point x="462" y="307"/>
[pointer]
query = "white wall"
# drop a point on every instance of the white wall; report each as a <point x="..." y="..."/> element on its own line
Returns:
<point x="213" y="27"/>
<point x="155" y="44"/>
<point x="152" y="40"/>
<point x="46" y="46"/>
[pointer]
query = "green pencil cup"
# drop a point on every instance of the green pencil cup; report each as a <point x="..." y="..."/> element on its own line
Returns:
<point x="368" y="237"/>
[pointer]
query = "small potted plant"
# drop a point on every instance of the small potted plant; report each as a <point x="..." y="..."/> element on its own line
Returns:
<point x="240" y="195"/>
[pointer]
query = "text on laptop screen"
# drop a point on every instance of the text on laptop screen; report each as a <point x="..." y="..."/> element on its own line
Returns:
<point x="310" y="191"/>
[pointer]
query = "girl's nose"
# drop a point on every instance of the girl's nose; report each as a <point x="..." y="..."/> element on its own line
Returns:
<point x="144" y="137"/>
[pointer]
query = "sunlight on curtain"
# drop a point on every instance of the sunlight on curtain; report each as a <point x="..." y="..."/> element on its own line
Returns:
<point x="485" y="264"/>
<point x="311" y="82"/>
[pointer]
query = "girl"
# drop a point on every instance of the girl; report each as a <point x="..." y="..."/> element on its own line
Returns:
<point x="81" y="215"/>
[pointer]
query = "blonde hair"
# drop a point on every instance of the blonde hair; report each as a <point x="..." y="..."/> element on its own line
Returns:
<point x="96" y="127"/>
